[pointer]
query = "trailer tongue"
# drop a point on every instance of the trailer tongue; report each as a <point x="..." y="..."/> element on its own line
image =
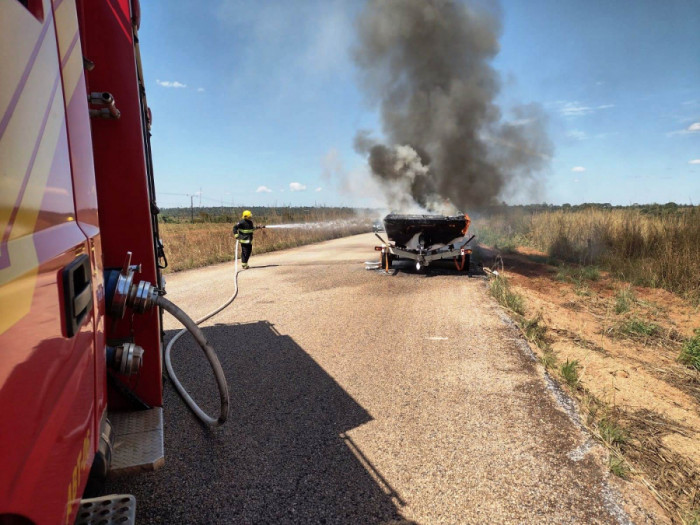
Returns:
<point x="426" y="239"/>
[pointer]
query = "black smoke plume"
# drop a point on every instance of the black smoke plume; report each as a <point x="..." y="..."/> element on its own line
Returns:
<point x="427" y="64"/>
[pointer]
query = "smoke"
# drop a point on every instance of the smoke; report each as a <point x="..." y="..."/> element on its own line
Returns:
<point x="426" y="63"/>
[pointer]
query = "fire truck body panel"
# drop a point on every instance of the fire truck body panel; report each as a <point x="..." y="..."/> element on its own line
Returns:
<point x="58" y="167"/>
<point x="48" y="393"/>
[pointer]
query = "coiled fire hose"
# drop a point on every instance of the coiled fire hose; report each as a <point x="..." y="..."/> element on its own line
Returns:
<point x="193" y="328"/>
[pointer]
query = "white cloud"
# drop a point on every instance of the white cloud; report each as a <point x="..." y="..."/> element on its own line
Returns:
<point x="694" y="161"/>
<point x="263" y="189"/>
<point x="200" y="89"/>
<point x="296" y="186"/>
<point x="522" y="122"/>
<point x="576" y="134"/>
<point x="170" y="84"/>
<point x="319" y="188"/>
<point x="578" y="169"/>
<point x="576" y="109"/>
<point x="693" y="128"/>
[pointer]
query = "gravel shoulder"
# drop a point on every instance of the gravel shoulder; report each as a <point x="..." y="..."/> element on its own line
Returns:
<point x="363" y="398"/>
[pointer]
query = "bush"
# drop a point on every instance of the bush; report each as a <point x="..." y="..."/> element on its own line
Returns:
<point x="569" y="372"/>
<point x="690" y="354"/>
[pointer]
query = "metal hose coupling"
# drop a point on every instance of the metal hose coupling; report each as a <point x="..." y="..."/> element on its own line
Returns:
<point x="142" y="297"/>
<point x="125" y="359"/>
<point x="123" y="292"/>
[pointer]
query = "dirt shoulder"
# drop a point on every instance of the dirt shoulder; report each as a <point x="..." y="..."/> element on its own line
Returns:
<point x="617" y="346"/>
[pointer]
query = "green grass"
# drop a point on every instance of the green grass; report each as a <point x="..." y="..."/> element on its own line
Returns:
<point x="578" y="275"/>
<point x="535" y="331"/>
<point x="612" y="433"/>
<point x="589" y="273"/>
<point x="548" y="359"/>
<point x="638" y="328"/>
<point x="569" y="372"/>
<point x="582" y="290"/>
<point x="500" y="289"/>
<point x="624" y="300"/>
<point x="692" y="517"/>
<point x="690" y="353"/>
<point x="618" y="467"/>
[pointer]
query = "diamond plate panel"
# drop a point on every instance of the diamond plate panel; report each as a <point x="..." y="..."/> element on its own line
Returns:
<point x="138" y="440"/>
<point x="115" y="509"/>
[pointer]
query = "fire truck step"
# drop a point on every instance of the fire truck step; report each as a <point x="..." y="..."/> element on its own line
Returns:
<point x="107" y="510"/>
<point x="138" y="440"/>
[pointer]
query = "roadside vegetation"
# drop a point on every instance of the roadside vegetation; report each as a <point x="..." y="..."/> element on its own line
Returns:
<point x="209" y="239"/>
<point x="690" y="354"/>
<point x="618" y="326"/>
<point x="261" y="214"/>
<point x="656" y="246"/>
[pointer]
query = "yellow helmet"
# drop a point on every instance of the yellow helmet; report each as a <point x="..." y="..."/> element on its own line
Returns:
<point x="246" y="214"/>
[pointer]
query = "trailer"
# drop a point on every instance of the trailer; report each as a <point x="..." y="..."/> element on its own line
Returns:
<point x="425" y="239"/>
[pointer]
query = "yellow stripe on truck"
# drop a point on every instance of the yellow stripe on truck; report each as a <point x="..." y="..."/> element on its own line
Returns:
<point x="67" y="31"/>
<point x="17" y="281"/>
<point x="33" y="117"/>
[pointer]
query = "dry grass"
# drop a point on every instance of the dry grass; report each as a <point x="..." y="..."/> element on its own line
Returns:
<point x="501" y="290"/>
<point x="201" y="244"/>
<point x="645" y="249"/>
<point x="634" y="438"/>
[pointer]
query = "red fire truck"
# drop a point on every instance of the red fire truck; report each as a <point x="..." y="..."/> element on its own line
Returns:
<point x="80" y="261"/>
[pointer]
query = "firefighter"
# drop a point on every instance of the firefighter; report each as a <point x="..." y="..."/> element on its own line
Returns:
<point x="243" y="231"/>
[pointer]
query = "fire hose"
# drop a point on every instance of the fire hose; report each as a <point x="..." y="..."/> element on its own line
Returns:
<point x="193" y="328"/>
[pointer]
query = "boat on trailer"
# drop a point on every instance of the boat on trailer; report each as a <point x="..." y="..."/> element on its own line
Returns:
<point x="426" y="239"/>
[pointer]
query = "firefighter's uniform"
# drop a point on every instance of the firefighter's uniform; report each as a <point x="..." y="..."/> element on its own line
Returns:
<point x="243" y="231"/>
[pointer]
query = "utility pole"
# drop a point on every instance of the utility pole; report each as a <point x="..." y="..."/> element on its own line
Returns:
<point x="191" y="208"/>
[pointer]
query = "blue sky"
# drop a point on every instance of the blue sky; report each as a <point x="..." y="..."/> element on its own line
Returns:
<point x="257" y="102"/>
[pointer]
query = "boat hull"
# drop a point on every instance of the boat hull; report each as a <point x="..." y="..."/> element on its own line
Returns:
<point x="428" y="230"/>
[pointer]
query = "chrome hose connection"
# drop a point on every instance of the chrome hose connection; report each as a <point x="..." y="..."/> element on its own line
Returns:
<point x="125" y="359"/>
<point x="140" y="297"/>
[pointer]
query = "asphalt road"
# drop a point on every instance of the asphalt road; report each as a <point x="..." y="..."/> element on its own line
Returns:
<point x="359" y="397"/>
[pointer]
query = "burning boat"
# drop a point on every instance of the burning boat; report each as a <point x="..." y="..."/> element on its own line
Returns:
<point x="425" y="239"/>
<point x="425" y="231"/>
